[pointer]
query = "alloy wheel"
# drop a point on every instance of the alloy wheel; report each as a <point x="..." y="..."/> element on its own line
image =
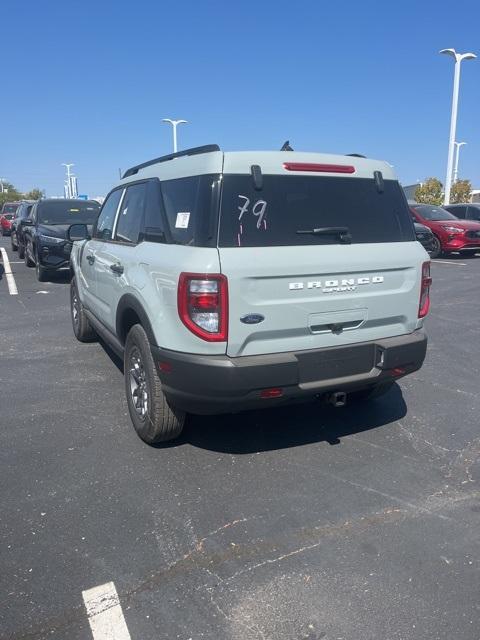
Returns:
<point x="138" y="383"/>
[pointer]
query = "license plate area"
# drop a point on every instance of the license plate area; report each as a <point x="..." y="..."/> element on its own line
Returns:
<point x="340" y="362"/>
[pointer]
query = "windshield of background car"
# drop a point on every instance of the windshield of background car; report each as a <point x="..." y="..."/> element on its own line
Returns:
<point x="273" y="215"/>
<point x="430" y="212"/>
<point x="67" y="212"/>
<point x="10" y="208"/>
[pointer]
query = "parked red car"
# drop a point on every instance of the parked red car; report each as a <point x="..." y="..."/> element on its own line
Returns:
<point x="6" y="223"/>
<point x="451" y="235"/>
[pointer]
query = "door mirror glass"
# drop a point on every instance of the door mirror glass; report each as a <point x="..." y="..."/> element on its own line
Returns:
<point x="78" y="232"/>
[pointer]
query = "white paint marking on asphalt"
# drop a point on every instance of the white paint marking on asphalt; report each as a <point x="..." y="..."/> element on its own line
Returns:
<point x="105" y="613"/>
<point x="452" y="264"/>
<point x="12" y="287"/>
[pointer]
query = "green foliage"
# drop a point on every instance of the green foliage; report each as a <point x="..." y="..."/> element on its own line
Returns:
<point x="430" y="192"/>
<point x="460" y="191"/>
<point x="9" y="194"/>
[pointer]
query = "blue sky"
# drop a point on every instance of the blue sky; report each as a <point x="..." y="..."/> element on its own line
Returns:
<point x="89" y="82"/>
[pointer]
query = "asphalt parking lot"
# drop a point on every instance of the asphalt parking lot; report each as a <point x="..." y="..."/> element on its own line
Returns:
<point x="298" y="524"/>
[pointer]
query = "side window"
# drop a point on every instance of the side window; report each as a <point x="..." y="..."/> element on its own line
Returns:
<point x="106" y="218"/>
<point x="190" y="209"/>
<point x="474" y="213"/>
<point x="154" y="229"/>
<point x="460" y="212"/>
<point x="130" y="219"/>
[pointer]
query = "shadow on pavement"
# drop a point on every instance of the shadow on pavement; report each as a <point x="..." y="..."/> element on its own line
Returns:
<point x="2" y="271"/>
<point x="285" y="427"/>
<point x="291" y="426"/>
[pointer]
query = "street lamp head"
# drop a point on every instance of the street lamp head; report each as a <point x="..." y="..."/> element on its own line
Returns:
<point x="458" y="56"/>
<point x="174" y="122"/>
<point x="449" y="52"/>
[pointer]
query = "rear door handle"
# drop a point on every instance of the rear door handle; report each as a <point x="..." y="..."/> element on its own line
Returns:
<point x="117" y="268"/>
<point x="91" y="259"/>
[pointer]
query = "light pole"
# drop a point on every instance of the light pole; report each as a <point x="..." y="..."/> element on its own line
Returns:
<point x="68" y="190"/>
<point x="453" y="122"/>
<point x="457" y="149"/>
<point x="175" y="124"/>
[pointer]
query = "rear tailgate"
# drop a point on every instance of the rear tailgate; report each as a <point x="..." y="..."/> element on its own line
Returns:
<point x="307" y="303"/>
<point x="316" y="260"/>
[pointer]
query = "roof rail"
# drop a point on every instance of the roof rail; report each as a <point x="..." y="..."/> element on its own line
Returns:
<point x="207" y="148"/>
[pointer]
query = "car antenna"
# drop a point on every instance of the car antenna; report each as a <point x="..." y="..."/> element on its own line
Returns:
<point x="286" y="146"/>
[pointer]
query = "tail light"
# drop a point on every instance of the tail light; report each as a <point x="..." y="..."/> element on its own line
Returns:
<point x="424" y="305"/>
<point x="203" y="305"/>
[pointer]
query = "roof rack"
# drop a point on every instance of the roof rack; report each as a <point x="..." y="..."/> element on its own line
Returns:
<point x="207" y="148"/>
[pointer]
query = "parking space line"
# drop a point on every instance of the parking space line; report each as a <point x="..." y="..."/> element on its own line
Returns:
<point x="105" y="613"/>
<point x="452" y="264"/>
<point x="12" y="287"/>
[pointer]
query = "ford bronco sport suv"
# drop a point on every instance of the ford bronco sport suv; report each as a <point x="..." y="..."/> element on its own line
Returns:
<point x="231" y="281"/>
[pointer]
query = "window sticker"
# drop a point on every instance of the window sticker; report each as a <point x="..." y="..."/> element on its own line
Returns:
<point x="183" y="219"/>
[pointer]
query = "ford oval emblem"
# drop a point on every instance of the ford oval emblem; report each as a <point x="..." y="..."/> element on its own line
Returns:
<point x="252" y="318"/>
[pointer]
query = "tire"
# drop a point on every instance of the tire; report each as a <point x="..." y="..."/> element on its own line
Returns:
<point x="365" y="395"/>
<point x="436" y="250"/>
<point x="21" y="251"/>
<point x="41" y="273"/>
<point x="28" y="261"/>
<point x="81" y="326"/>
<point x="153" y="418"/>
<point x="14" y="246"/>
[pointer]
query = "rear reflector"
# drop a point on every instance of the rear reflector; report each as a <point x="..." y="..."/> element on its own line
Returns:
<point x="318" y="168"/>
<point x="271" y="393"/>
<point x="398" y="371"/>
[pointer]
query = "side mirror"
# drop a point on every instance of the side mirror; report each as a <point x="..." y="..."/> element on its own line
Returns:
<point x="78" y="232"/>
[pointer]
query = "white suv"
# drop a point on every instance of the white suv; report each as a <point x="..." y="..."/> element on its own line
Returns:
<point x="231" y="281"/>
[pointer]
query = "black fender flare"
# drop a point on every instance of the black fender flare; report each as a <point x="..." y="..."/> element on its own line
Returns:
<point x="127" y="302"/>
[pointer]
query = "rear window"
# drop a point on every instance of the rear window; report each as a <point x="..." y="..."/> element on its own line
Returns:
<point x="10" y="208"/>
<point x="9" y="216"/>
<point x="67" y="212"/>
<point x="285" y="205"/>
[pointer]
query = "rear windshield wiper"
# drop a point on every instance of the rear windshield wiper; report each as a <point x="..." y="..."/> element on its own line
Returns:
<point x="343" y="233"/>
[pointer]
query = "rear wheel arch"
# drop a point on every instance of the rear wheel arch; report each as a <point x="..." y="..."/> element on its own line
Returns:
<point x="130" y="312"/>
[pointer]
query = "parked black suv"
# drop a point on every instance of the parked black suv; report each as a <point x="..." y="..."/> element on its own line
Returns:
<point x="46" y="245"/>
<point x="424" y="236"/>
<point x="16" y="235"/>
<point x="466" y="211"/>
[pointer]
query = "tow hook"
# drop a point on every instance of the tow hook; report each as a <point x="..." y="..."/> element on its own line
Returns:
<point x="338" y="399"/>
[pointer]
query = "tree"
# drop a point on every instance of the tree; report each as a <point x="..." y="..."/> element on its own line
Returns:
<point x="8" y="193"/>
<point x="460" y="191"/>
<point x="430" y="192"/>
<point x="34" y="194"/>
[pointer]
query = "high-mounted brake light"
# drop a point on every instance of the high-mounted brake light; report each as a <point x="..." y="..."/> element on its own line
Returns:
<point x="318" y="168"/>
<point x="424" y="305"/>
<point x="203" y="305"/>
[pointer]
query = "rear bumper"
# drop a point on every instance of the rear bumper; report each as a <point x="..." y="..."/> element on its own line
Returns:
<point x="219" y="384"/>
